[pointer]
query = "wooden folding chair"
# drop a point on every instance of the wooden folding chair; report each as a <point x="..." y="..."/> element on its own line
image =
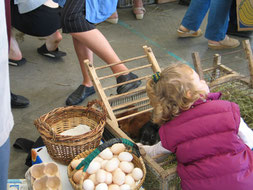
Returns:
<point x="119" y="103"/>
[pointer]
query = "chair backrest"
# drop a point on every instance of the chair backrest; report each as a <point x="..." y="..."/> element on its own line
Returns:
<point x="132" y="103"/>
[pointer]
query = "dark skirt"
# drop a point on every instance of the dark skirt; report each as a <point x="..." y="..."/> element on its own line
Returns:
<point x="73" y="17"/>
<point x="40" y="22"/>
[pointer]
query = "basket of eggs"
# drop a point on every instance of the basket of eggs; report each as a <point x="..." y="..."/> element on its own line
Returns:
<point x="113" y="165"/>
<point x="64" y="147"/>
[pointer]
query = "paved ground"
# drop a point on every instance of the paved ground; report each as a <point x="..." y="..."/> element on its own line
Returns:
<point x="47" y="82"/>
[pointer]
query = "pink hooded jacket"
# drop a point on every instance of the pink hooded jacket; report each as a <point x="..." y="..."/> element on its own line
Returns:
<point x="209" y="152"/>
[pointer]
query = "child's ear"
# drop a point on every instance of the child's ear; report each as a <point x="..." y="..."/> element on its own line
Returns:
<point x="188" y="94"/>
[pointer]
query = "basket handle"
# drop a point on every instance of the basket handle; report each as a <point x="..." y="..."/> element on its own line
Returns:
<point x="86" y="162"/>
<point x="102" y="106"/>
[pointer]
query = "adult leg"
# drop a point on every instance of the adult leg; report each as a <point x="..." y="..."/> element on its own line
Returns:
<point x="86" y="88"/>
<point x="97" y="43"/>
<point x="195" y="14"/>
<point x="15" y="52"/>
<point x="218" y="20"/>
<point x="4" y="160"/>
<point x="53" y="41"/>
<point x="217" y="26"/>
<point x="138" y="9"/>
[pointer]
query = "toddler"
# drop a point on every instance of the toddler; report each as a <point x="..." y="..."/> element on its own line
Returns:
<point x="211" y="141"/>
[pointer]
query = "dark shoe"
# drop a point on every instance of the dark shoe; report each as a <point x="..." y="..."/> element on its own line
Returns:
<point x="18" y="101"/>
<point x="126" y="87"/>
<point x="79" y="95"/>
<point x="17" y="63"/>
<point x="52" y="54"/>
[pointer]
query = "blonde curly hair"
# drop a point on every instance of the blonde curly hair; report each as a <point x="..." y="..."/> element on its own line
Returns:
<point x="169" y="95"/>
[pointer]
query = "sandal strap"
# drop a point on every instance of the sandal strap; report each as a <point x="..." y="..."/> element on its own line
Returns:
<point x="139" y="9"/>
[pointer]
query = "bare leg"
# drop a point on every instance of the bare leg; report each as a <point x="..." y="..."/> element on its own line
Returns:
<point x="83" y="52"/>
<point x="138" y="9"/>
<point x="53" y="41"/>
<point x="85" y="44"/>
<point x="98" y="44"/>
<point x="15" y="52"/>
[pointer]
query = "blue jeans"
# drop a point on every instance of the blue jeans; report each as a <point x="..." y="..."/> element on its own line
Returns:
<point x="218" y="17"/>
<point x="4" y="162"/>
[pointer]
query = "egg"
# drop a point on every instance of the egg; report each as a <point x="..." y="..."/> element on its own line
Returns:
<point x="118" y="148"/>
<point x="93" y="167"/>
<point x="125" y="156"/>
<point x="93" y="179"/>
<point x="102" y="186"/>
<point x="77" y="176"/>
<point x="98" y="159"/>
<point x="129" y="180"/>
<point x="101" y="176"/>
<point x="106" y="154"/>
<point x="137" y="174"/>
<point x="75" y="163"/>
<point x="118" y="178"/>
<point x="88" y="184"/>
<point x="113" y="187"/>
<point x="112" y="164"/>
<point x="126" y="167"/>
<point x="117" y="170"/>
<point x="125" y="187"/>
<point x="103" y="163"/>
<point x="108" y="180"/>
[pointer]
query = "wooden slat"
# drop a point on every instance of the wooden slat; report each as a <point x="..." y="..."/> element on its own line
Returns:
<point x="130" y="103"/>
<point x="216" y="63"/>
<point x="248" y="52"/>
<point x="122" y="62"/>
<point x="124" y="72"/>
<point x="137" y="90"/>
<point x="197" y="65"/>
<point x="134" y="114"/>
<point x="127" y="82"/>
<point x="132" y="108"/>
<point x="152" y="60"/>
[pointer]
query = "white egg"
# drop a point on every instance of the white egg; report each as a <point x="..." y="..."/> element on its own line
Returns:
<point x="102" y="186"/>
<point x="118" y="148"/>
<point x="103" y="163"/>
<point x="98" y="159"/>
<point x="93" y="167"/>
<point x="118" y="178"/>
<point x="112" y="164"/>
<point x="93" y="178"/>
<point x="137" y="174"/>
<point x="129" y="180"/>
<point x="125" y="156"/>
<point x="88" y="185"/>
<point x="106" y="154"/>
<point x="126" y="167"/>
<point x="108" y="178"/>
<point x="125" y="187"/>
<point x="101" y="176"/>
<point x="75" y="163"/>
<point x="113" y="187"/>
<point x="117" y="170"/>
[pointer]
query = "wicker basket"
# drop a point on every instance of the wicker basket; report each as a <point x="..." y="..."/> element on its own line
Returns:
<point x="64" y="148"/>
<point x="89" y="155"/>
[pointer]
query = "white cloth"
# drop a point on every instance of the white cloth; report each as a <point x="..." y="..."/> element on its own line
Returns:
<point x="245" y="133"/>
<point x="6" y="119"/>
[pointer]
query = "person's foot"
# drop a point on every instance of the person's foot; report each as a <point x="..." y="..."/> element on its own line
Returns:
<point x="51" y="54"/>
<point x="227" y="43"/>
<point x="79" y="95"/>
<point x="113" y="18"/>
<point x="183" y="32"/>
<point x="126" y="87"/>
<point x="138" y="9"/>
<point x="18" y="101"/>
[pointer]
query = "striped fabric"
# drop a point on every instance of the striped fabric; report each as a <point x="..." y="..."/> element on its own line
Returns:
<point x="73" y="17"/>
